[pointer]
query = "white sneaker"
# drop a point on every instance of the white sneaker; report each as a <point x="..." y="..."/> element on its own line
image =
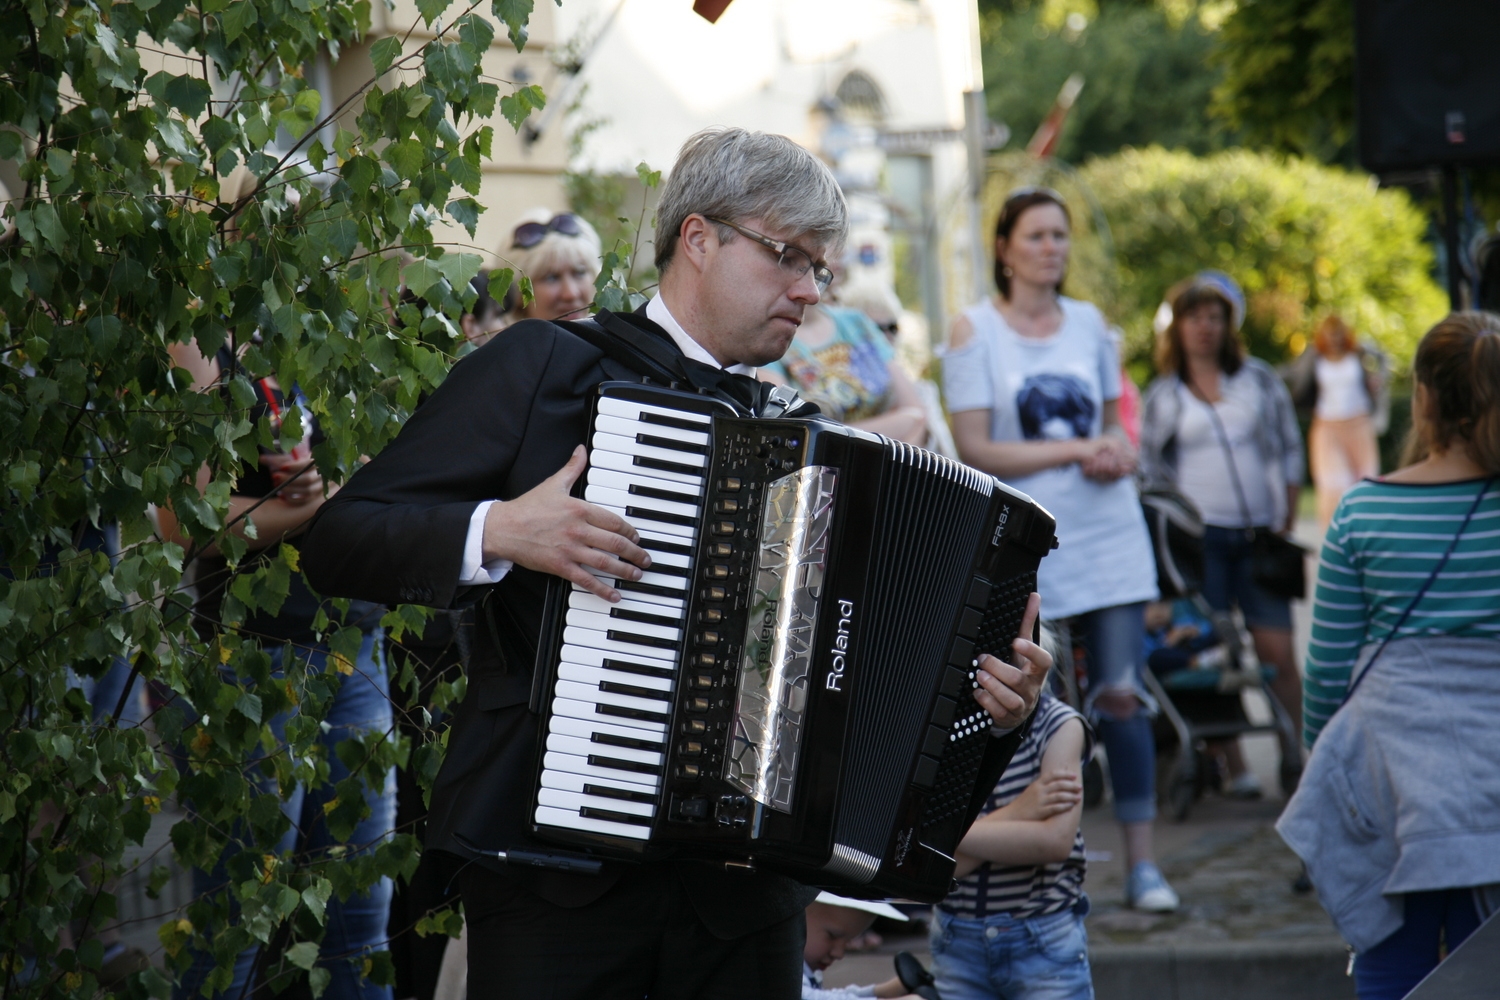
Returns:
<point x="1146" y="889"/>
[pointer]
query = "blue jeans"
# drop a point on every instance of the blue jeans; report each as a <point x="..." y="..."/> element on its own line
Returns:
<point x="1040" y="958"/>
<point x="1394" y="967"/>
<point x="1114" y="639"/>
<point x="357" y="925"/>
<point x="1229" y="578"/>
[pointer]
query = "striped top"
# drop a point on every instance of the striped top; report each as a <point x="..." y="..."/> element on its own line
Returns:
<point x="1025" y="890"/>
<point x="1382" y="545"/>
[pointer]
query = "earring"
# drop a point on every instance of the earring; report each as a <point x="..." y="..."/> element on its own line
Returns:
<point x="1007" y="271"/>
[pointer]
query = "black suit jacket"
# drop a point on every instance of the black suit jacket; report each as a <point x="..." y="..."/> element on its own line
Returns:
<point x="507" y="417"/>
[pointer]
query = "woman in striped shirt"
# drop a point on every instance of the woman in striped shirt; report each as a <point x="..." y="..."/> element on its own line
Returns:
<point x="1398" y="815"/>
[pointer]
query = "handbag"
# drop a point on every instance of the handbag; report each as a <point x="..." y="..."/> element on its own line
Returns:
<point x="1277" y="564"/>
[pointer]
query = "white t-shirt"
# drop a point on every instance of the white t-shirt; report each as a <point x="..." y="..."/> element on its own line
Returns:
<point x="1054" y="388"/>
<point x="1341" y="389"/>
<point x="1202" y="469"/>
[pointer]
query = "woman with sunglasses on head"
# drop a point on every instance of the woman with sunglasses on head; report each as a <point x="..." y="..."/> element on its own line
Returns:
<point x="559" y="252"/>
<point x="1032" y="379"/>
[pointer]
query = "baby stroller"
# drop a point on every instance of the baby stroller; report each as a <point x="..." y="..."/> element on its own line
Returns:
<point x="1201" y="694"/>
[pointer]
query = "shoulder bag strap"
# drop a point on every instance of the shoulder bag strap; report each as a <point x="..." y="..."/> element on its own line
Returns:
<point x="1422" y="592"/>
<point x="1234" y="472"/>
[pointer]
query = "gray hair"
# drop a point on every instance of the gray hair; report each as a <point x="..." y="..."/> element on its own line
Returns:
<point x="735" y="174"/>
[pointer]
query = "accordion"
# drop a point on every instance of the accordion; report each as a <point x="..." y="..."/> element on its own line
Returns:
<point x="790" y="684"/>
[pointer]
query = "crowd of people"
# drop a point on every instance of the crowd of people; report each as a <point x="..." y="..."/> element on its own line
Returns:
<point x="469" y="511"/>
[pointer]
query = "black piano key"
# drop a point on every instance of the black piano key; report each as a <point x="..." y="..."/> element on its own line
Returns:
<point x="657" y="545"/>
<point x="629" y="742"/>
<point x="646" y="588"/>
<point x="615" y="635"/>
<point x="639" y="714"/>
<point x="672" y="443"/>
<point x="615" y="687"/>
<point x="614" y="763"/>
<point x="644" y="462"/>
<point x="671" y="621"/>
<point x="681" y="423"/>
<point x="589" y="812"/>
<point x="636" y="489"/>
<point x="645" y="670"/>
<point x="606" y="792"/>
<point x="647" y="514"/>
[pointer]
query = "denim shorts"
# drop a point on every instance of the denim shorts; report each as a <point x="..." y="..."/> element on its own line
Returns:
<point x="1228" y="577"/>
<point x="1038" y="958"/>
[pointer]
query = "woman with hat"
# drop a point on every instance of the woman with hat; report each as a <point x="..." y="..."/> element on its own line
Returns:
<point x="1219" y="426"/>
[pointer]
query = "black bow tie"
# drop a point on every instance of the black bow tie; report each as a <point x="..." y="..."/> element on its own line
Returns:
<point x="742" y="391"/>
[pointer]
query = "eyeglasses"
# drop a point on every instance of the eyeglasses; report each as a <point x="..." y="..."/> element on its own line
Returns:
<point x="529" y="234"/>
<point x="793" y="261"/>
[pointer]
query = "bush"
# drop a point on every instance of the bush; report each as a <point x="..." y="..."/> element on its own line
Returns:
<point x="1302" y="239"/>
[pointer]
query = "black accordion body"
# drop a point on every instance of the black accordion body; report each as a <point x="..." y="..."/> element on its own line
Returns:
<point x="790" y="685"/>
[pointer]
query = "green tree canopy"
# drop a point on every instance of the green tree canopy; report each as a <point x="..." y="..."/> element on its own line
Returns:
<point x="177" y="177"/>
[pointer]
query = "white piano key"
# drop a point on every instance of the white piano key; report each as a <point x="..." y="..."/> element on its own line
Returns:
<point x="623" y="462"/>
<point x="591" y="693"/>
<point x="567" y="781"/>
<point x="590" y="619"/>
<point x="616" y="480"/>
<point x="562" y="799"/>
<point x="684" y="532"/>
<point x="676" y="609"/>
<point x="578" y="727"/>
<point x="603" y="441"/>
<point x="588" y="711"/>
<point x="604" y="495"/>
<point x="552" y="816"/>
<point x="632" y="410"/>
<point x="628" y="428"/>
<point x="665" y="661"/>
<point x="573" y="635"/>
<point x="574" y="764"/>
<point x="636" y="595"/>
<point x="576" y="745"/>
<point x="593" y="675"/>
<point x="648" y="577"/>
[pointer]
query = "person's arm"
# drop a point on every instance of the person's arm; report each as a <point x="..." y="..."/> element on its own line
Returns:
<point x="397" y="531"/>
<point x="1013" y="459"/>
<point x="906" y="418"/>
<point x="1008" y="836"/>
<point x="1339" y="623"/>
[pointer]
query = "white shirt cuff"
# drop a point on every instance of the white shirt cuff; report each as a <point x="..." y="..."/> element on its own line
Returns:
<point x="472" y="572"/>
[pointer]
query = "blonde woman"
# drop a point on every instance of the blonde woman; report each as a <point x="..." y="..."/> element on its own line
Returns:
<point x="559" y="252"/>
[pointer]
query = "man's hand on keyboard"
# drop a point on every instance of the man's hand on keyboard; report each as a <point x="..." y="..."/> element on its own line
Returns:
<point x="548" y="530"/>
<point x="1010" y="693"/>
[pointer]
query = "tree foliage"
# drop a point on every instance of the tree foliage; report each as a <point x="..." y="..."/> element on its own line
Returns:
<point x="1288" y="81"/>
<point x="1302" y="240"/>
<point x="178" y="177"/>
<point x="1145" y="67"/>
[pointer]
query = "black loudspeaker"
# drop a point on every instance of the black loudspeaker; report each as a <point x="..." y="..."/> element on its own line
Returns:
<point x="1428" y="77"/>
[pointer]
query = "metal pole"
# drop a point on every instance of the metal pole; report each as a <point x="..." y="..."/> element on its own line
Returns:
<point x="975" y="122"/>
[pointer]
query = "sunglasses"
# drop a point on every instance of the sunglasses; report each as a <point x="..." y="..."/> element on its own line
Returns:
<point x="529" y="234"/>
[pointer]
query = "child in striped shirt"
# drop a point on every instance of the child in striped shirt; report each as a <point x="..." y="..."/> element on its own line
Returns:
<point x="1013" y="928"/>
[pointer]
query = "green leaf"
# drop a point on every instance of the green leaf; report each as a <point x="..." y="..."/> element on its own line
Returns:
<point x="188" y="94"/>
<point x="384" y="52"/>
<point x="459" y="268"/>
<point x="218" y="133"/>
<point x="11" y="147"/>
<point x="648" y="177"/>
<point x="500" y="280"/>
<point x="421" y="275"/>
<point x="304" y="955"/>
<point x="465" y="211"/>
<point x="430" y="9"/>
<point x="238" y="18"/>
<point x="517" y="107"/>
<point x="515" y="14"/>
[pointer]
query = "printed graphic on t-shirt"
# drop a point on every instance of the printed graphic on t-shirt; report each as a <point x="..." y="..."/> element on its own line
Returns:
<point x="1054" y="407"/>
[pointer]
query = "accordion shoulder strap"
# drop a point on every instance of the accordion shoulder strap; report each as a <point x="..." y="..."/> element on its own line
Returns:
<point x="649" y="357"/>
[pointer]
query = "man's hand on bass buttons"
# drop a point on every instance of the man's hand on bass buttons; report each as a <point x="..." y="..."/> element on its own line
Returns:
<point x="548" y="530"/>
<point x="1010" y="693"/>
